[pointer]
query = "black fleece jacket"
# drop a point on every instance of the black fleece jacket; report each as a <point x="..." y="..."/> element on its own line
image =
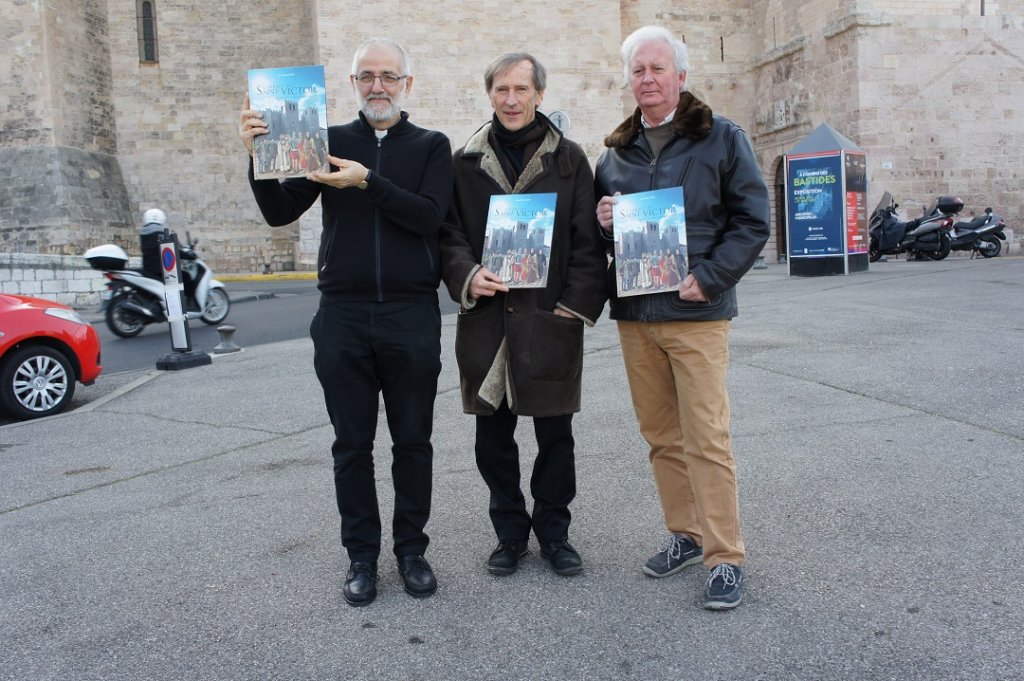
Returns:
<point x="381" y="243"/>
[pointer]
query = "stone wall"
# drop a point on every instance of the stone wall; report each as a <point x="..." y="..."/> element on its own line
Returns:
<point x="67" y="279"/>
<point x="911" y="83"/>
<point x="61" y="200"/>
<point x="945" y="117"/>
<point x="26" y="117"/>
<point x="93" y="137"/>
<point x="60" y="182"/>
<point x="177" y="120"/>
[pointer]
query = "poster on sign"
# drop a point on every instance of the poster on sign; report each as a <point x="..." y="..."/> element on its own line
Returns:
<point x="816" y="205"/>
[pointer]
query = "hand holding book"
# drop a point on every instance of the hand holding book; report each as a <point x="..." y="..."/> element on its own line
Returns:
<point x="251" y="125"/>
<point x="604" y="211"/>
<point x="348" y="173"/>
<point x="485" y="284"/>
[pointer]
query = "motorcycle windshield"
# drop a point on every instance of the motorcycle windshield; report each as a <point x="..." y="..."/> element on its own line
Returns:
<point x="885" y="202"/>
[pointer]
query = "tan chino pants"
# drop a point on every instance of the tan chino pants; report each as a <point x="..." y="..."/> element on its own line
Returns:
<point x="676" y="374"/>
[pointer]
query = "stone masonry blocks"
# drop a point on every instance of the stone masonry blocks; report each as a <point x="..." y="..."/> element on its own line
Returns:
<point x="92" y="137"/>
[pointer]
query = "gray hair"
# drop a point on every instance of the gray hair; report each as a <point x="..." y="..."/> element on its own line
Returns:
<point x="403" y="56"/>
<point x="506" y="61"/>
<point x="651" y="34"/>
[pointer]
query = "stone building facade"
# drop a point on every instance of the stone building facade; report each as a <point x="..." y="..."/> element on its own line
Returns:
<point x="94" y="132"/>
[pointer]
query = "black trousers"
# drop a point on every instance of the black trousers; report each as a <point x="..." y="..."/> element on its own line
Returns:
<point x="553" y="483"/>
<point x="362" y="350"/>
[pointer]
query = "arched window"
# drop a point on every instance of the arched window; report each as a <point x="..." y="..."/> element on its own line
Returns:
<point x="146" y="12"/>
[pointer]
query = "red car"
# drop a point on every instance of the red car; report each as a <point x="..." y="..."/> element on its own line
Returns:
<point x="44" y="348"/>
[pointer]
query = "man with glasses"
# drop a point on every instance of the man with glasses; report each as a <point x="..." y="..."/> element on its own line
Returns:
<point x="378" y="327"/>
<point x="520" y="350"/>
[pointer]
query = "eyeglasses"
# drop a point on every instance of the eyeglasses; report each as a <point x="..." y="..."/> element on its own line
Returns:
<point x="367" y="78"/>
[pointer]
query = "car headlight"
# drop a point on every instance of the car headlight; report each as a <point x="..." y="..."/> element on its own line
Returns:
<point x="65" y="314"/>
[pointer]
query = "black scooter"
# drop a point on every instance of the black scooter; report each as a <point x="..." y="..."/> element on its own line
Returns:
<point x="926" y="236"/>
<point x="982" y="235"/>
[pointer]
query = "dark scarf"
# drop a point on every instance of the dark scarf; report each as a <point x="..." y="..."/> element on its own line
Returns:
<point x="516" y="148"/>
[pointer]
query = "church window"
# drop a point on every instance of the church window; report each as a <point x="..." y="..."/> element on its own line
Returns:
<point x="146" y="12"/>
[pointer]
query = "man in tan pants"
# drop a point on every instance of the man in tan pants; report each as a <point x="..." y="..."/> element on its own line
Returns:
<point x="675" y="344"/>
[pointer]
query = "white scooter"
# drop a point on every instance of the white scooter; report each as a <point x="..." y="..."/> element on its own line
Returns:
<point x="133" y="300"/>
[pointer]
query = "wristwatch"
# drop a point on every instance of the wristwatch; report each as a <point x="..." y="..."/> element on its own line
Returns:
<point x="366" y="181"/>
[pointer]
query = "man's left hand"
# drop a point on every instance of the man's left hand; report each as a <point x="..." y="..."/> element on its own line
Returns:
<point x="562" y="313"/>
<point x="348" y="174"/>
<point x="690" y="290"/>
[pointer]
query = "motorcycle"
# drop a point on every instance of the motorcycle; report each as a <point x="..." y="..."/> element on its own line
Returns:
<point x="133" y="300"/>
<point x="980" y="235"/>
<point x="926" y="236"/>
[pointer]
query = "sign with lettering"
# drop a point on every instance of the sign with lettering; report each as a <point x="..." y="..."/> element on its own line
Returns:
<point x="817" y="205"/>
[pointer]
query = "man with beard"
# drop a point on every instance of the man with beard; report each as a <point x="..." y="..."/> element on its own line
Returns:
<point x="378" y="328"/>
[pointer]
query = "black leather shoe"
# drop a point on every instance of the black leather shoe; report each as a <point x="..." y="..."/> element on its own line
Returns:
<point x="361" y="584"/>
<point x="563" y="557"/>
<point x="418" y="577"/>
<point x="505" y="559"/>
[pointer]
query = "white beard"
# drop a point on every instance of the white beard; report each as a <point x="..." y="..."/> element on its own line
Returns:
<point x="372" y="109"/>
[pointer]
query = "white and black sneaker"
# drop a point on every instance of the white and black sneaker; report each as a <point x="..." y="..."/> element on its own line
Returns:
<point x="678" y="552"/>
<point x="724" y="588"/>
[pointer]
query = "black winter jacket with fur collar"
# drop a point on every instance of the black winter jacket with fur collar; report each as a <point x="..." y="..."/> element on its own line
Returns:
<point x="726" y="201"/>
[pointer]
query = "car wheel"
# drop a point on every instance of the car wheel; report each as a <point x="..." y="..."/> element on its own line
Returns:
<point x="36" y="381"/>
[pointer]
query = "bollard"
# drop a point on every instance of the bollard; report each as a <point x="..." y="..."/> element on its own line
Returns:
<point x="759" y="265"/>
<point x="227" y="342"/>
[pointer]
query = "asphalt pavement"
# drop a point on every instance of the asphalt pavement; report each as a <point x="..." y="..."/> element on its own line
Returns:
<point x="182" y="526"/>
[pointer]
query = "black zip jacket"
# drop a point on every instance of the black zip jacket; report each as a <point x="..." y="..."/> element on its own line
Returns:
<point x="725" y="197"/>
<point x="382" y="243"/>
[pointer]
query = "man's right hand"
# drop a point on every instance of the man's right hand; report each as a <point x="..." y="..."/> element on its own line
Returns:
<point x="604" y="211"/>
<point x="250" y="125"/>
<point x="485" y="283"/>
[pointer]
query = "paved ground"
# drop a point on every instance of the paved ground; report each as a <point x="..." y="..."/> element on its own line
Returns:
<point x="182" y="526"/>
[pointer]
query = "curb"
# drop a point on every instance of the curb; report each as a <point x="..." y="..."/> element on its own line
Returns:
<point x="95" y="316"/>
<point x="275" y="276"/>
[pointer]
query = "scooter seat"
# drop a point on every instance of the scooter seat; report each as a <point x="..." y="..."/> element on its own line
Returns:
<point x="973" y="224"/>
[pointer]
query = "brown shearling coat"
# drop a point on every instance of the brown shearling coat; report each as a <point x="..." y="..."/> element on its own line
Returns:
<point x="514" y="340"/>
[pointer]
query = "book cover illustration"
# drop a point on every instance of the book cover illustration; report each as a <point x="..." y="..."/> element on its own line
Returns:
<point x="293" y="101"/>
<point x="649" y="229"/>
<point x="517" y="239"/>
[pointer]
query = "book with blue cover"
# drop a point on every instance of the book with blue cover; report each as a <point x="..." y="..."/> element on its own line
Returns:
<point x="293" y="101"/>
<point x="649" y="229"/>
<point x="517" y="238"/>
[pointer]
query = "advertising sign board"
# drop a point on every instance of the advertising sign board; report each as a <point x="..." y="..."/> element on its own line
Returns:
<point x="816" y="205"/>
